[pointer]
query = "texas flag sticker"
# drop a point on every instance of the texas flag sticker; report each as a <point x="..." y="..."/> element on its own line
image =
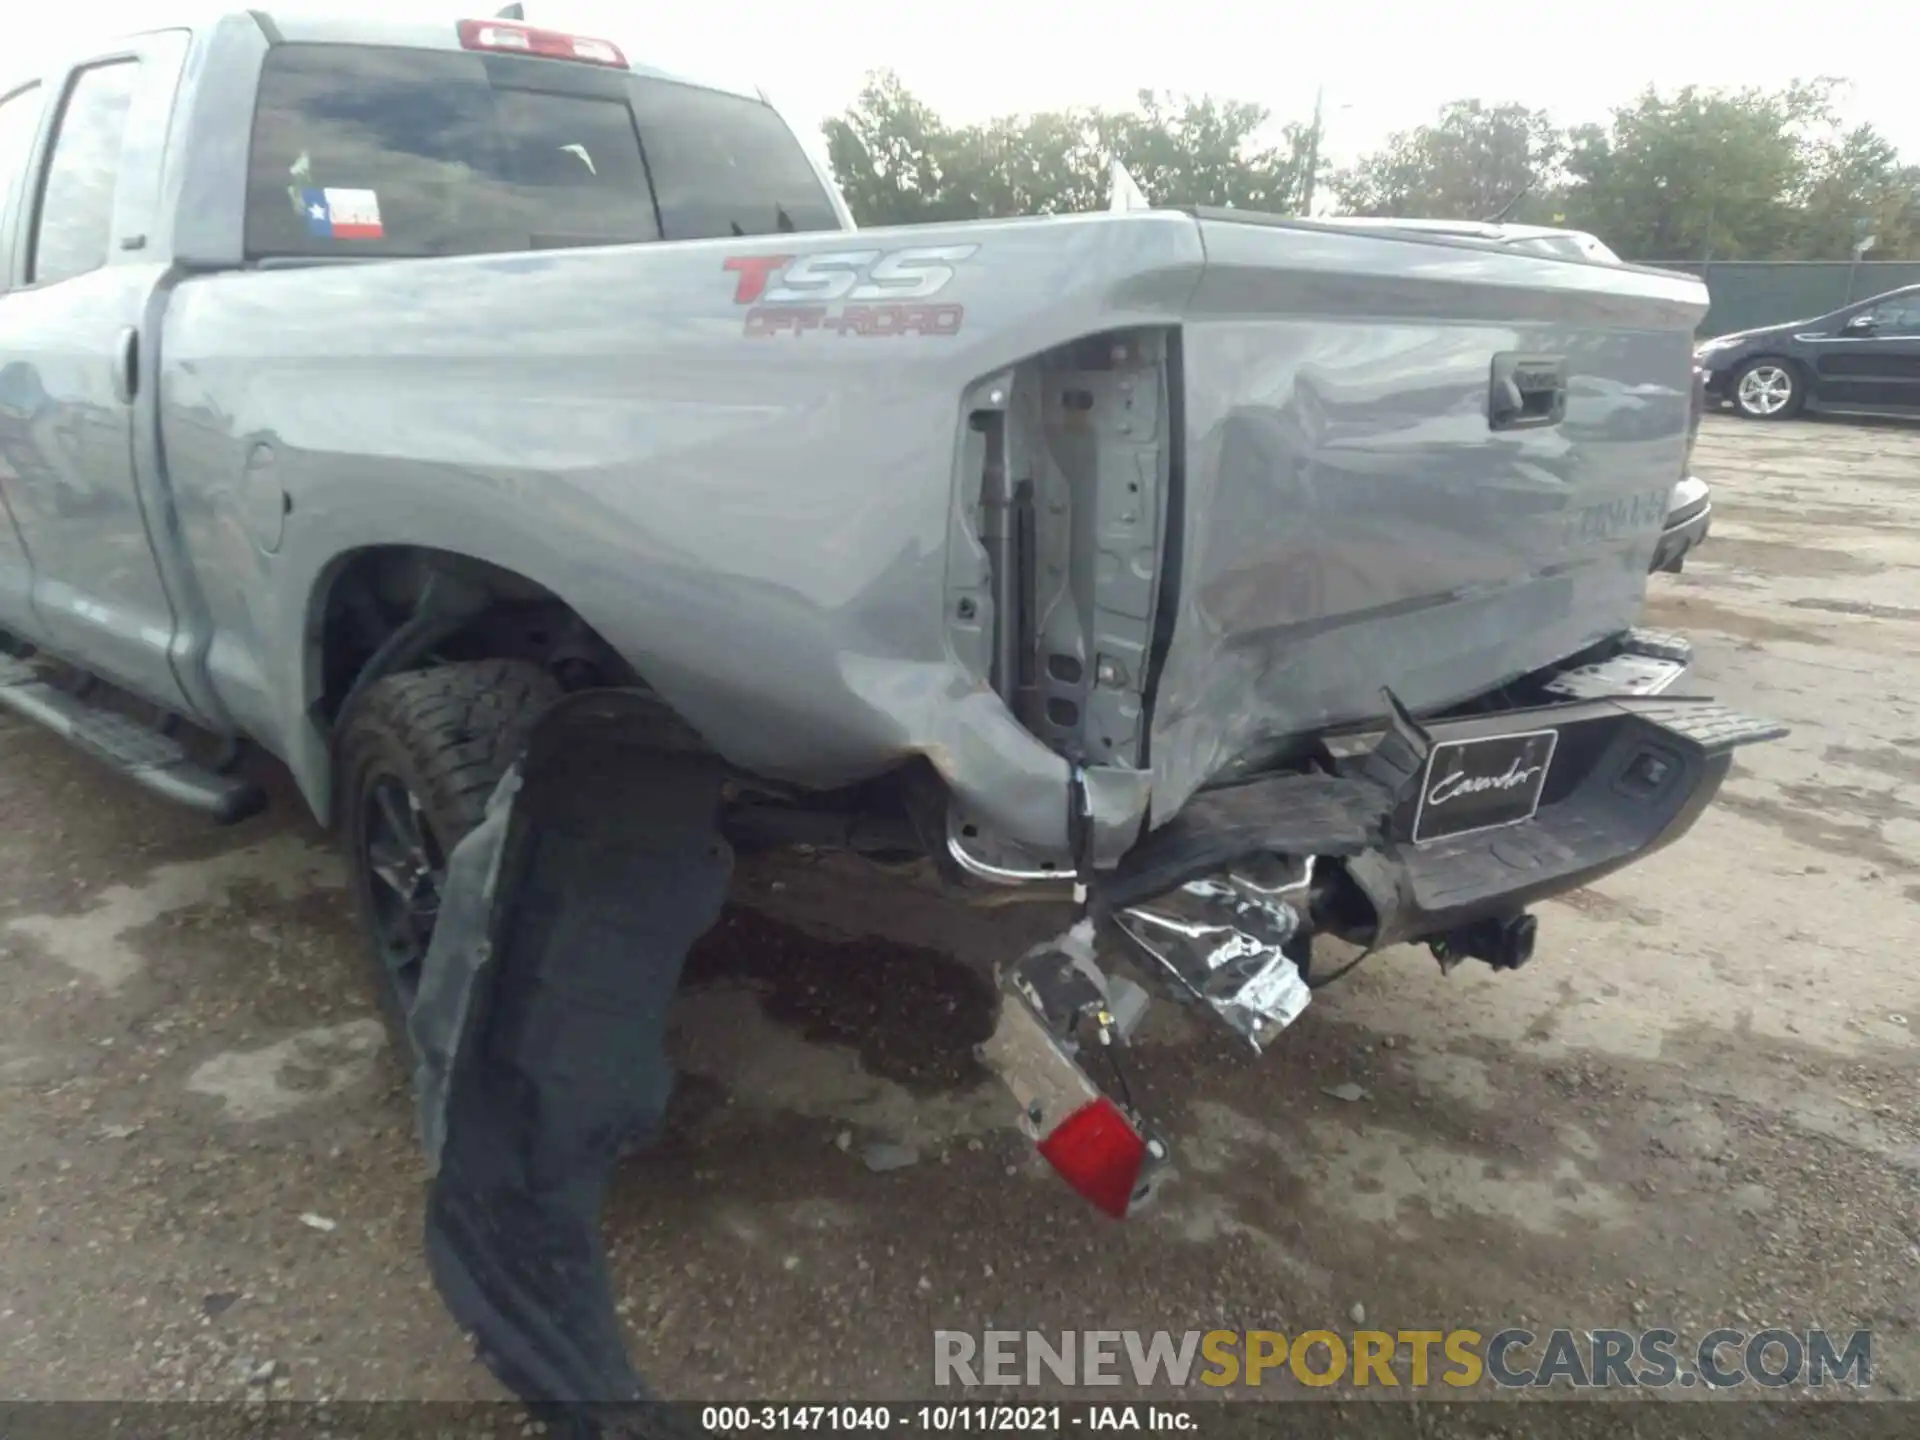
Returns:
<point x="343" y="214"/>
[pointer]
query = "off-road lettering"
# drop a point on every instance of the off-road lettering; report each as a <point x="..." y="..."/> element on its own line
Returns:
<point x="861" y="321"/>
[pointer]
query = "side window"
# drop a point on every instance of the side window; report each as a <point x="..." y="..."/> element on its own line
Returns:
<point x="1900" y="317"/>
<point x="19" y="119"/>
<point x="725" y="165"/>
<point x="75" y="225"/>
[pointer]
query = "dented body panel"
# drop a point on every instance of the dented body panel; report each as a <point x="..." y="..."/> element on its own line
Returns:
<point x="1350" y="518"/>
<point x="773" y="527"/>
<point x="1092" y="514"/>
<point x="758" y="523"/>
<point x="1137" y="497"/>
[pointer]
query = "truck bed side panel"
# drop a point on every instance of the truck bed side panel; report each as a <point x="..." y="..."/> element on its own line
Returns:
<point x="757" y="522"/>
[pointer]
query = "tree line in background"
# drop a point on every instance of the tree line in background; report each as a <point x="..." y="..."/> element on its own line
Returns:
<point x="1698" y="175"/>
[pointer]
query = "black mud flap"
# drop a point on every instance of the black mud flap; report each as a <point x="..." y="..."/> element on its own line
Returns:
<point x="540" y="1033"/>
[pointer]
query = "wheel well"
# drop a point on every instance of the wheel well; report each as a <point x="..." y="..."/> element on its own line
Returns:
<point x="501" y="616"/>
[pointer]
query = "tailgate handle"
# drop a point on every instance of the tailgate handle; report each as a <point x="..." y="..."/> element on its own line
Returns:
<point x="1527" y="392"/>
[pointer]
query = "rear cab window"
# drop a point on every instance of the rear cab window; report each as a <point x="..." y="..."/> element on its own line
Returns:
<point x="723" y="165"/>
<point x="384" y="152"/>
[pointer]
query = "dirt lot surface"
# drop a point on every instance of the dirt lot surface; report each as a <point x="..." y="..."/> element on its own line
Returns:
<point x="1696" y="1107"/>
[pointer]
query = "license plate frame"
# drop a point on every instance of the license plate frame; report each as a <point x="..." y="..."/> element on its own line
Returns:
<point x="1515" y="767"/>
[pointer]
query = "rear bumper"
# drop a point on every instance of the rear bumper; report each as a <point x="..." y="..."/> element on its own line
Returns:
<point x="1630" y="777"/>
<point x="1687" y="525"/>
<point x="1203" y="900"/>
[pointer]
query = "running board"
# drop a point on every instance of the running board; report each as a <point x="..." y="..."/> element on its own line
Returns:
<point x="140" y="752"/>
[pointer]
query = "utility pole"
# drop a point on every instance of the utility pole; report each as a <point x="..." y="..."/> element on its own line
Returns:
<point x="1313" y="150"/>
<point x="1863" y="240"/>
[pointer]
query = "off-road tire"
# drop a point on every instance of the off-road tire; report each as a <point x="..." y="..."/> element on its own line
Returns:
<point x="447" y="734"/>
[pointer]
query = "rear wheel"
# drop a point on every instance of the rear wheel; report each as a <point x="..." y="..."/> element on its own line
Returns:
<point x="1768" y="390"/>
<point x="419" y="757"/>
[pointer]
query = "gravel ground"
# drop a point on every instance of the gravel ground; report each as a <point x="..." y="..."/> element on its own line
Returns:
<point x="1696" y="1107"/>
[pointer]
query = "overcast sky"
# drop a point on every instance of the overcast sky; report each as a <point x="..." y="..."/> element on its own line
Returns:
<point x="1385" y="64"/>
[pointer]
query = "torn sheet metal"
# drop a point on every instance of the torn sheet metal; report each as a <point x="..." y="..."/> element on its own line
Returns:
<point x="1224" y="941"/>
<point x="1340" y="811"/>
<point x="541" y="1030"/>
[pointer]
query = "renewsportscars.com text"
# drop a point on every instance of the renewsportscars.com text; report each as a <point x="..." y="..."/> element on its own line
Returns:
<point x="1509" y="1359"/>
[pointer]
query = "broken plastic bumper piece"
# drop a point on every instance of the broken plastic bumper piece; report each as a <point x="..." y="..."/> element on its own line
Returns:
<point x="1224" y="898"/>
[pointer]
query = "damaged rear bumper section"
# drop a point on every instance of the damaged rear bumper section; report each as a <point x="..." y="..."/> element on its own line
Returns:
<point x="567" y="916"/>
<point x="1223" y="902"/>
<point x="1629" y="778"/>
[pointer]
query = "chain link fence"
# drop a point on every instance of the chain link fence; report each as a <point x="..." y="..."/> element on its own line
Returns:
<point x="1749" y="294"/>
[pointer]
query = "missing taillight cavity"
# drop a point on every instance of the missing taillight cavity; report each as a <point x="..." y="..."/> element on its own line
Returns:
<point x="499" y="35"/>
<point x="1091" y="435"/>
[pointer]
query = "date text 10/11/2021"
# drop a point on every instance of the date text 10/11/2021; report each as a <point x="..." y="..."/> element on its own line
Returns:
<point x="940" y="1419"/>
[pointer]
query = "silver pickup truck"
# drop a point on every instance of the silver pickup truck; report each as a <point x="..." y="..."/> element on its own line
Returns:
<point x="523" y="447"/>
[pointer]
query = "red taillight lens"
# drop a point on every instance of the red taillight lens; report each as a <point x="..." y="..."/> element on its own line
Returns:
<point x="1097" y="1151"/>
<point x="548" y="44"/>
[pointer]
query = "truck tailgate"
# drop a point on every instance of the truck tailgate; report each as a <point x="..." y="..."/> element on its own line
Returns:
<point x="1352" y="511"/>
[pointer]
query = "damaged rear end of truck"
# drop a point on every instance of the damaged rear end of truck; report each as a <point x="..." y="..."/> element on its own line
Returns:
<point x="1285" y="586"/>
<point x="526" y="448"/>
<point x="1359" y="544"/>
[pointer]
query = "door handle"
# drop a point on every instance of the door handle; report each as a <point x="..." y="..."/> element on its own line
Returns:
<point x="126" y="365"/>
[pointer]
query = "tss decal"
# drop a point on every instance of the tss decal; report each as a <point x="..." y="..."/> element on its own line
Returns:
<point x="884" y="291"/>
